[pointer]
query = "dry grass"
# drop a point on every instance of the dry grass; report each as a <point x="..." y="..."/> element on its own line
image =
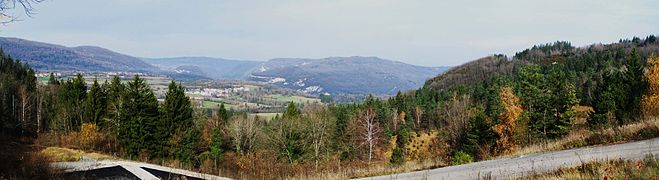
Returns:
<point x="374" y="169"/>
<point x="614" y="169"/>
<point x="20" y="160"/>
<point x="58" y="154"/>
<point x="583" y="137"/>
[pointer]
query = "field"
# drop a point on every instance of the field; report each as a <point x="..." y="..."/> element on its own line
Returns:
<point x="295" y="99"/>
<point x="214" y="105"/>
<point x="266" y="116"/>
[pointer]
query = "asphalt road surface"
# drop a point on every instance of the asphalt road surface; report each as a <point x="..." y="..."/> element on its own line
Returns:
<point x="117" y="169"/>
<point x="535" y="163"/>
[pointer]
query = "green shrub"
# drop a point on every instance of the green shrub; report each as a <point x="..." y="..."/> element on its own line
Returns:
<point x="397" y="156"/>
<point x="461" y="157"/>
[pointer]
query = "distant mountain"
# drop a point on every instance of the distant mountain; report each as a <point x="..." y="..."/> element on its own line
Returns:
<point x="344" y="75"/>
<point x="51" y="57"/>
<point x="335" y="75"/>
<point x="215" y="68"/>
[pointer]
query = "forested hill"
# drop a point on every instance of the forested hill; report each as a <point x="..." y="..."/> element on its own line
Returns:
<point x="44" y="57"/>
<point x="590" y="63"/>
<point x="349" y="75"/>
<point x="609" y="78"/>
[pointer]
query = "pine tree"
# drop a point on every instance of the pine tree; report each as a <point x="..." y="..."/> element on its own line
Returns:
<point x="176" y="114"/>
<point x="71" y="95"/>
<point x="188" y="151"/>
<point x="291" y="111"/>
<point x="637" y="85"/>
<point x="223" y="114"/>
<point x="216" y="144"/>
<point x="95" y="105"/>
<point x="115" y="93"/>
<point x="52" y="80"/>
<point x="139" y="120"/>
<point x="78" y="95"/>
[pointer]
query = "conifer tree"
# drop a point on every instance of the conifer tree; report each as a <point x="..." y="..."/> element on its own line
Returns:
<point x="215" y="146"/>
<point x="291" y="111"/>
<point x="139" y="120"/>
<point x="176" y="116"/>
<point x="95" y="105"/>
<point x="115" y="93"/>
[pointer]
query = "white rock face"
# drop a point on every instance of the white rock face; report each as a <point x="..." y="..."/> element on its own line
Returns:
<point x="262" y="69"/>
<point x="300" y="82"/>
<point x="312" y="89"/>
<point x="180" y="71"/>
<point x="276" y="80"/>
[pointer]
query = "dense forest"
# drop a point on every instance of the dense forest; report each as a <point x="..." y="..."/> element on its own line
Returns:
<point x="489" y="107"/>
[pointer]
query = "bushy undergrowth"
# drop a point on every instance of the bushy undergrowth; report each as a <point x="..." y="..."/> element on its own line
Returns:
<point x="614" y="169"/>
<point x="18" y="160"/>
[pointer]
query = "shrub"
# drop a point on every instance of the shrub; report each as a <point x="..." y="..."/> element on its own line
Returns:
<point x="461" y="157"/>
<point x="397" y="156"/>
<point x="89" y="135"/>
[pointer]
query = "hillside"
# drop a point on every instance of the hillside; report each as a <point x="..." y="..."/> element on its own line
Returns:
<point x="472" y="73"/>
<point x="349" y="75"/>
<point x="216" y="68"/>
<point x="328" y="75"/>
<point x="51" y="57"/>
<point x="591" y="64"/>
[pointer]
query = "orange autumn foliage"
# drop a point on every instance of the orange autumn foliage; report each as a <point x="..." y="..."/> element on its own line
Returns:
<point x="650" y="101"/>
<point x="506" y="128"/>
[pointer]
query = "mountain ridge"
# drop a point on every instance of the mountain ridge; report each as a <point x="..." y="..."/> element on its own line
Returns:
<point x="334" y="75"/>
<point x="46" y="56"/>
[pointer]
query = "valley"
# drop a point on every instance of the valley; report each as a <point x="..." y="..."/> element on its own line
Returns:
<point x="329" y="90"/>
<point x="237" y="96"/>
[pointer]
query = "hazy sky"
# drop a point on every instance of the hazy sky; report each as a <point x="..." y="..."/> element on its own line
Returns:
<point x="421" y="32"/>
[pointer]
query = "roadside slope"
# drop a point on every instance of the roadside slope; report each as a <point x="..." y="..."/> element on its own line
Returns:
<point x="535" y="163"/>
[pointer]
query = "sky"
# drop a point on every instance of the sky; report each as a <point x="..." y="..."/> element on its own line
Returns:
<point x="420" y="32"/>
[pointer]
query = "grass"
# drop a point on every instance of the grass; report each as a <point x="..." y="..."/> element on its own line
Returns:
<point x="376" y="168"/>
<point x="295" y="99"/>
<point x="613" y="169"/>
<point x="266" y="116"/>
<point x="215" y="105"/>
<point x="58" y="154"/>
<point x="580" y="138"/>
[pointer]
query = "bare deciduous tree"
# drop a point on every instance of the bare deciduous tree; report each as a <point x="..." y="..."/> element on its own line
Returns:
<point x="244" y="132"/>
<point x="26" y="106"/>
<point x="456" y="117"/>
<point x="369" y="130"/>
<point x="27" y="7"/>
<point x="418" y="112"/>
<point x="320" y="125"/>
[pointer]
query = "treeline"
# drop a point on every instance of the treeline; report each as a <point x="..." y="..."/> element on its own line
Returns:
<point x="126" y="113"/>
<point x="480" y="111"/>
<point x="18" y="101"/>
<point x="490" y="107"/>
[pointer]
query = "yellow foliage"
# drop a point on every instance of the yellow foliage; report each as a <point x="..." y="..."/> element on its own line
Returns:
<point x="506" y="128"/>
<point x="391" y="147"/>
<point x="89" y="135"/>
<point x="419" y="145"/>
<point x="650" y="102"/>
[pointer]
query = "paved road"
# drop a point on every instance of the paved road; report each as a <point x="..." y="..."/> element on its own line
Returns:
<point x="115" y="169"/>
<point x="535" y="163"/>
